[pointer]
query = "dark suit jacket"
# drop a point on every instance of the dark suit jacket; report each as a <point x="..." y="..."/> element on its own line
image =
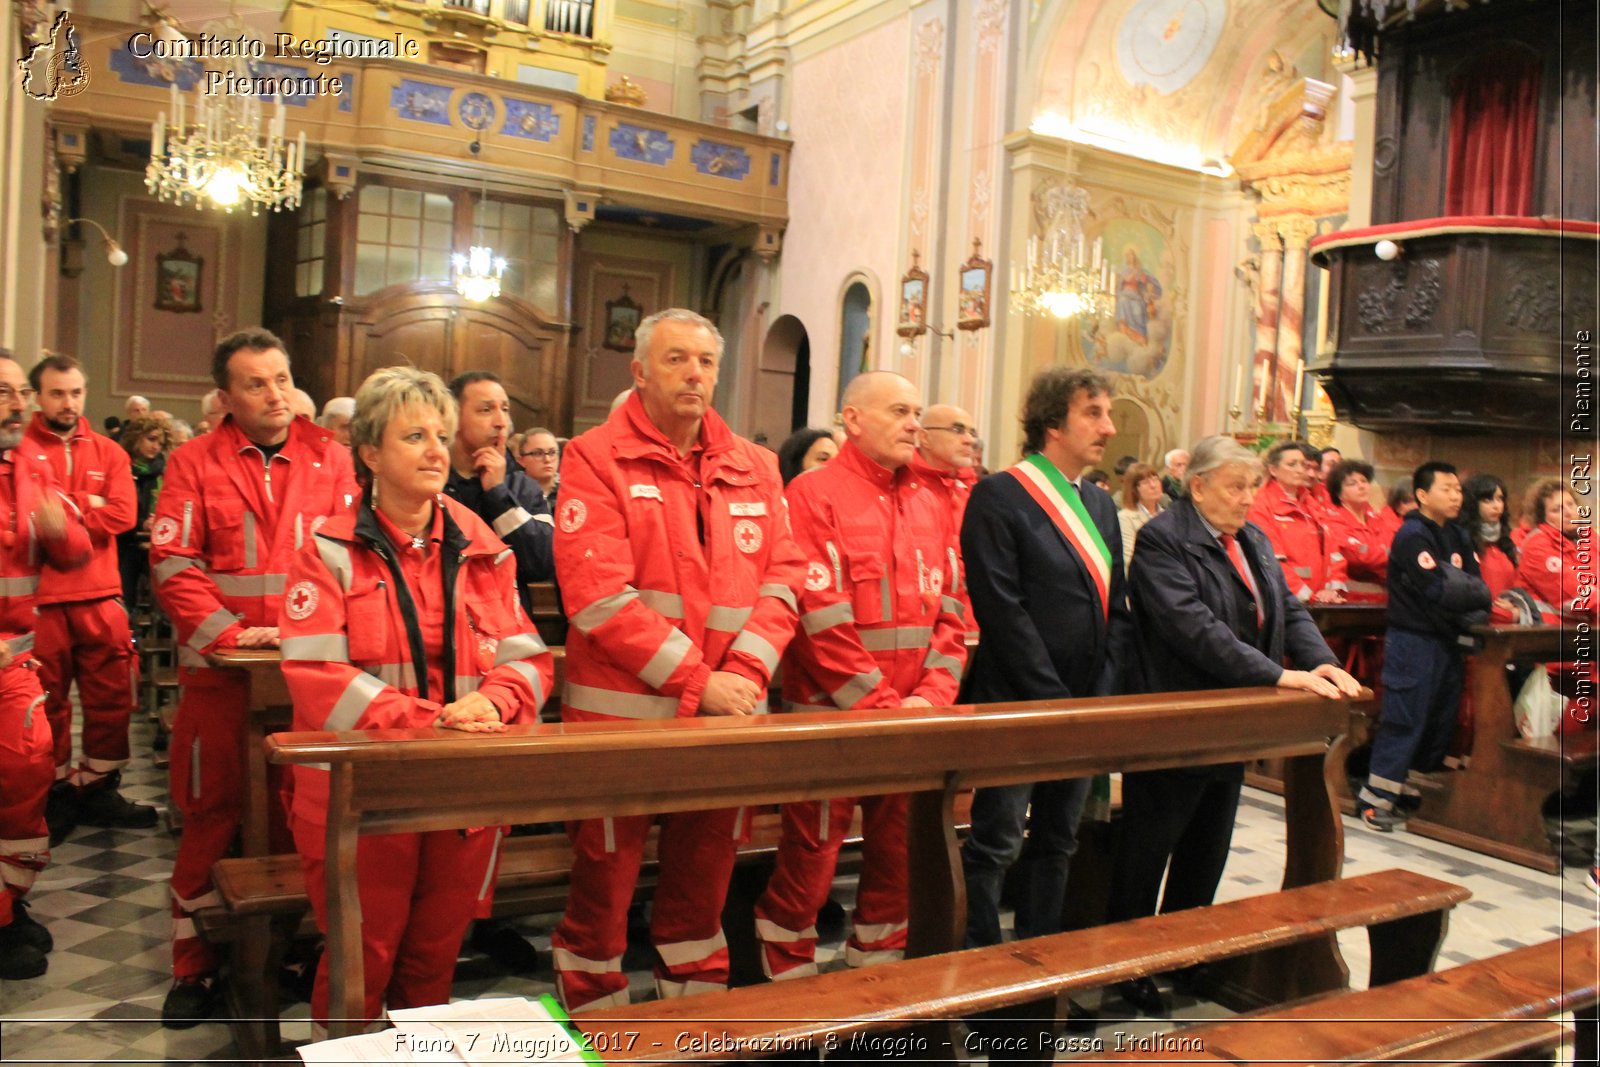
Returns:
<point x="1045" y="635"/>
<point x="1190" y="606"/>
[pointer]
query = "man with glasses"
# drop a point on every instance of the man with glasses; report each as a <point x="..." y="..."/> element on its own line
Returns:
<point x="540" y="456"/>
<point x="36" y="519"/>
<point x="946" y="461"/>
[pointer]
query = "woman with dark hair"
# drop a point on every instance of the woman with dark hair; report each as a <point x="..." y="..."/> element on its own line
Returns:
<point x="806" y="449"/>
<point x="1353" y="526"/>
<point x="1484" y="516"/>
<point x="147" y="441"/>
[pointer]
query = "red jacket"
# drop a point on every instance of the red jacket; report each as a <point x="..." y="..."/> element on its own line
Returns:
<point x="1363" y="544"/>
<point x="1311" y="560"/>
<point x="954" y="488"/>
<point x="225" y="530"/>
<point x="1496" y="569"/>
<point x="96" y="473"/>
<point x="347" y="637"/>
<point x="23" y="552"/>
<point x="1385" y="523"/>
<point x="668" y="571"/>
<point x="1559" y="570"/>
<point x="877" y="624"/>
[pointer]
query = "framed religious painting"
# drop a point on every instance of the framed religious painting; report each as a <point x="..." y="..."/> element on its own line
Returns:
<point x="972" y="306"/>
<point x="623" y="316"/>
<point x="913" y="301"/>
<point x="178" y="277"/>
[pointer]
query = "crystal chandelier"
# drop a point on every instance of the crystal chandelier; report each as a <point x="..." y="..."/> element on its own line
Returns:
<point x="222" y="154"/>
<point x="1063" y="276"/>
<point x="478" y="272"/>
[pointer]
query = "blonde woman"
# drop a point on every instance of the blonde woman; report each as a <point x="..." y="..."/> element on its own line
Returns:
<point x="1141" y="502"/>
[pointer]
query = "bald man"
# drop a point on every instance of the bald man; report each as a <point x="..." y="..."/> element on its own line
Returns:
<point x="877" y="631"/>
<point x="947" y="462"/>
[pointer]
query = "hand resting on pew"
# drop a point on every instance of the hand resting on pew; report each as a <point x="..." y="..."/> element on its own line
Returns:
<point x="256" y="637"/>
<point x="473" y="714"/>
<point x="1325" y="680"/>
<point x="727" y="693"/>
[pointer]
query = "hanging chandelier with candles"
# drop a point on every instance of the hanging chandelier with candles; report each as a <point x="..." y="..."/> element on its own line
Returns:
<point x="221" y="151"/>
<point x="1064" y="275"/>
<point x="478" y="272"/>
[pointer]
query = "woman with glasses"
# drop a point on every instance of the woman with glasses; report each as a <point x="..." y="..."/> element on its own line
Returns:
<point x="539" y="454"/>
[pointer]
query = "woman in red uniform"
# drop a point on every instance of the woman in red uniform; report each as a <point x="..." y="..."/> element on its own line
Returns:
<point x="1484" y="515"/>
<point x="1557" y="563"/>
<point x="402" y="611"/>
<point x="1354" y="531"/>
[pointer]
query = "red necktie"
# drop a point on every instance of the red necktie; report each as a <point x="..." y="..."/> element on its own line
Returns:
<point x="1230" y="544"/>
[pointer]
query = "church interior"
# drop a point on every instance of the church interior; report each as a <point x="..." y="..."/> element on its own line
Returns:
<point x="1369" y="224"/>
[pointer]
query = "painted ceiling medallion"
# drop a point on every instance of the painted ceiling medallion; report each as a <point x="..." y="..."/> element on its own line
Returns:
<point x="1165" y="43"/>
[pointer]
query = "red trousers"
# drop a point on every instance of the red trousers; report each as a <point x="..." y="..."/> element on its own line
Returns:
<point x="418" y="893"/>
<point x="696" y="851"/>
<point x="25" y="776"/>
<point x="88" y="642"/>
<point x="207" y="778"/>
<point x="808" y="852"/>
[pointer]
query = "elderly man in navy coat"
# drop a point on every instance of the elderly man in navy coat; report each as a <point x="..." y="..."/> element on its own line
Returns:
<point x="1213" y="612"/>
<point x="1043" y="553"/>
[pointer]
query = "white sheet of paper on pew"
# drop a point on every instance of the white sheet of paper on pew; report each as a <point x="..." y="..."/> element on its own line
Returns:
<point x="472" y="1032"/>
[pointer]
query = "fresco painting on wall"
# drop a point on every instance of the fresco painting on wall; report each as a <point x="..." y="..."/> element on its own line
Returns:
<point x="913" y="301"/>
<point x="973" y="305"/>
<point x="1136" y="337"/>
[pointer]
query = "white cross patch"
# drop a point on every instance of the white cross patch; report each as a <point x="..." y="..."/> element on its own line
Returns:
<point x="300" y="601"/>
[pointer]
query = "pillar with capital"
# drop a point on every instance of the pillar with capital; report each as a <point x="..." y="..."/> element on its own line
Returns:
<point x="1267" y="301"/>
<point x="1296" y="232"/>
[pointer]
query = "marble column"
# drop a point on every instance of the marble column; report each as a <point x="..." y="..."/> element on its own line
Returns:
<point x="1267" y="299"/>
<point x="1296" y="233"/>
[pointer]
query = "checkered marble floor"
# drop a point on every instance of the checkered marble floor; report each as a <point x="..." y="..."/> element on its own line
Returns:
<point x="104" y="898"/>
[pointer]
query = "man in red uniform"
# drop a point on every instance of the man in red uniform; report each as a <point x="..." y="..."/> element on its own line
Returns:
<point x="679" y="575"/>
<point x="83" y="633"/>
<point x="37" y="524"/>
<point x="235" y="506"/>
<point x="878" y="630"/>
<point x="1293" y="521"/>
<point x="946" y="463"/>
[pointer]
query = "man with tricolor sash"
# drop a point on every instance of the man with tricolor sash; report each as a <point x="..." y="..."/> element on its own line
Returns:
<point x="1044" y="571"/>
<point x="878" y="629"/>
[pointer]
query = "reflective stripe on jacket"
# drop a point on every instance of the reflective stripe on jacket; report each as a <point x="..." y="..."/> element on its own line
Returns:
<point x="23" y="551"/>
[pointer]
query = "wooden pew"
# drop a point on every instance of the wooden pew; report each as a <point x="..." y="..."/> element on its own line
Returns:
<point x="1494" y="806"/>
<point x="1448" y="1016"/>
<point x="592" y="769"/>
<point x="1404" y="913"/>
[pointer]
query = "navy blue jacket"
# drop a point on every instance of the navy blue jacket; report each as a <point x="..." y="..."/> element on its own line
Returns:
<point x="1434" y="584"/>
<point x="1045" y="635"/>
<point x="517" y="511"/>
<point x="1191" y="608"/>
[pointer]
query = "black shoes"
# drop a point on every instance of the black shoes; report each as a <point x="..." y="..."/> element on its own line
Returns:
<point x="191" y="1001"/>
<point x="102" y="805"/>
<point x="498" y="941"/>
<point x="1384" y="822"/>
<point x="20" y="958"/>
<point x="61" y="811"/>
<point x="1144" y="995"/>
<point x="29" y="929"/>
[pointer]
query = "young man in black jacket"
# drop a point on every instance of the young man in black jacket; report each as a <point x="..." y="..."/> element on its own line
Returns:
<point x="1435" y="598"/>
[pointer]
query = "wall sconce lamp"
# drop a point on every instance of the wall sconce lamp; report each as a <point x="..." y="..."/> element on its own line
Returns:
<point x="909" y="348"/>
<point x="1388" y="250"/>
<point x="114" y="253"/>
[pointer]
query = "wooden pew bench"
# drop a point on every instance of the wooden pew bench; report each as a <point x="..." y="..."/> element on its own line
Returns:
<point x="1487" y="1007"/>
<point x="583" y="770"/>
<point x="1404" y="913"/>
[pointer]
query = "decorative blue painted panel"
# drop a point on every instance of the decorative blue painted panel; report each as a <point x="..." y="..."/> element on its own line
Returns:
<point x="641" y="144"/>
<point x="347" y="99"/>
<point x="775" y="169"/>
<point x="531" y="119"/>
<point x="720" y="160"/>
<point x="160" y="73"/>
<point x="588" y="133"/>
<point x="421" y="101"/>
<point x="263" y="69"/>
<point x="476" y="111"/>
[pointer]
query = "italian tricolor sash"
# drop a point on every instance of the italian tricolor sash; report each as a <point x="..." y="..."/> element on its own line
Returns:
<point x="1061" y="501"/>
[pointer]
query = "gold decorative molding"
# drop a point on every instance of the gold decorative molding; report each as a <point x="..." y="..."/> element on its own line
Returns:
<point x="627" y="91"/>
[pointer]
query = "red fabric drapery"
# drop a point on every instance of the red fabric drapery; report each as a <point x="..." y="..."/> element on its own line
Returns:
<point x="1494" y="115"/>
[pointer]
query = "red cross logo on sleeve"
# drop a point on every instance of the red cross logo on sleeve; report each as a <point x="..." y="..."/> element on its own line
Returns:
<point x="747" y="535"/>
<point x="301" y="601"/>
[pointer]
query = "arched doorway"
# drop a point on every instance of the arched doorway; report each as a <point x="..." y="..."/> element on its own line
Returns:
<point x="855" y="336"/>
<point x="783" y="381"/>
<point x="1132" y="437"/>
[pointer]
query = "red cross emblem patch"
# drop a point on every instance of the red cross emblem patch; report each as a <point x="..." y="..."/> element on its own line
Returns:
<point x="747" y="535"/>
<point x="300" y="601"/>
